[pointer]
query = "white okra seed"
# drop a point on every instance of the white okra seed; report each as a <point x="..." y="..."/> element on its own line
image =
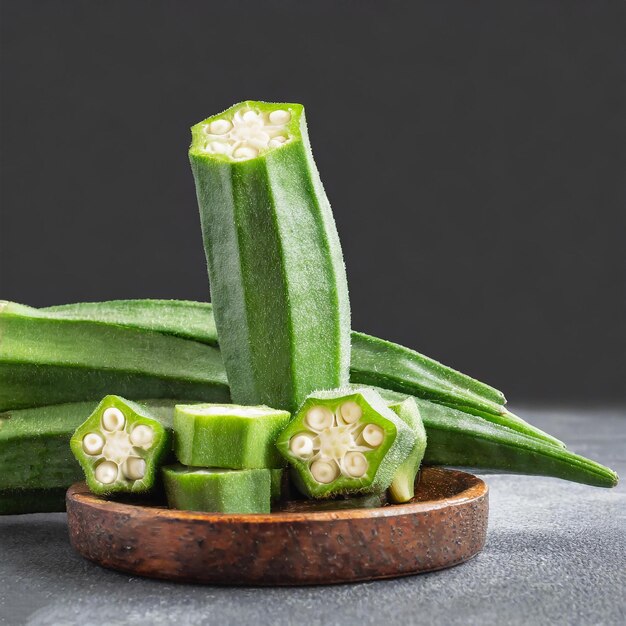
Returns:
<point x="280" y="117"/>
<point x="355" y="464"/>
<point x="373" y="435"/>
<point x="220" y="127"/>
<point x="219" y="147"/>
<point x="319" y="418"/>
<point x="250" y="116"/>
<point x="93" y="443"/>
<point x="106" y="472"/>
<point x="301" y="445"/>
<point x="277" y="141"/>
<point x="245" y="152"/>
<point x="142" y="435"/>
<point x="351" y="412"/>
<point x="134" y="468"/>
<point x="113" y="419"/>
<point x="324" y="472"/>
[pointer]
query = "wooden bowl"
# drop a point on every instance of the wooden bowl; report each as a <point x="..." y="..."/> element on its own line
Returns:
<point x="445" y="524"/>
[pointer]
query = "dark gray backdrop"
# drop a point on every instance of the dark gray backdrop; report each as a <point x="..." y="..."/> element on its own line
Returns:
<point x="473" y="153"/>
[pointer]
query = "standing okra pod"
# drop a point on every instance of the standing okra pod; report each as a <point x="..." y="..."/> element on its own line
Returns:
<point x="278" y="282"/>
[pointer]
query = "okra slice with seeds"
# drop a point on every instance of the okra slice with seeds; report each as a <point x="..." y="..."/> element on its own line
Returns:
<point x="344" y="443"/>
<point x="276" y="271"/>
<point x="120" y="447"/>
<point x="402" y="488"/>
<point x="217" y="490"/>
<point x="228" y="435"/>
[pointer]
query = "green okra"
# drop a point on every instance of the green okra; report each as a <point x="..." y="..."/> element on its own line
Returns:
<point x="181" y="318"/>
<point x="278" y="281"/>
<point x="46" y="360"/>
<point x="228" y="435"/>
<point x="460" y="439"/>
<point x="374" y="361"/>
<point x="34" y="446"/>
<point x="454" y="439"/>
<point x="402" y="488"/>
<point x="120" y="447"/>
<point x="277" y="479"/>
<point x="217" y="490"/>
<point x="345" y="442"/>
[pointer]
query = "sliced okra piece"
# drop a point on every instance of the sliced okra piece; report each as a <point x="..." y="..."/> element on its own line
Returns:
<point x="345" y="442"/>
<point x="120" y="447"/>
<point x="402" y="488"/>
<point x="217" y="490"/>
<point x="228" y="435"/>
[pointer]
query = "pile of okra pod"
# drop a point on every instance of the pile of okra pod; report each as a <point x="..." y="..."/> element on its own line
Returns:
<point x="276" y="341"/>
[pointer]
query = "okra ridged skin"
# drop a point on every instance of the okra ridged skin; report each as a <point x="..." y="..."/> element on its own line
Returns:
<point x="457" y="439"/>
<point x="276" y="271"/>
<point x="373" y="361"/>
<point x="181" y="318"/>
<point x="217" y="490"/>
<point x="454" y="439"/>
<point x="228" y="436"/>
<point x="402" y="488"/>
<point x="34" y="446"/>
<point x="45" y="360"/>
<point x="383" y="364"/>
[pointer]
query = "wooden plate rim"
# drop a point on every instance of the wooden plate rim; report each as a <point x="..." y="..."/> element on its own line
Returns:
<point x="475" y="489"/>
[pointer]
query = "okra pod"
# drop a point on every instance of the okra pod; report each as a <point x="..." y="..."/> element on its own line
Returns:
<point x="374" y="361"/>
<point x="276" y="271"/>
<point x="454" y="439"/>
<point x="46" y="360"/>
<point x="460" y="439"/>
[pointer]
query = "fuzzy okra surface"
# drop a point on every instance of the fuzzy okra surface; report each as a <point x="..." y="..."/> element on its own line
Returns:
<point x="278" y="281"/>
<point x="455" y="439"/>
<point x="228" y="436"/>
<point x="373" y="362"/>
<point x="46" y="359"/>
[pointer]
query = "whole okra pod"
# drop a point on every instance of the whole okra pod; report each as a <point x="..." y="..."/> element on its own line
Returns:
<point x="373" y="361"/>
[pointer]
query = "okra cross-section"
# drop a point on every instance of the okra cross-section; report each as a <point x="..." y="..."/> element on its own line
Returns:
<point x="345" y="442"/>
<point x="120" y="447"/>
<point x="228" y="435"/>
<point x="218" y="490"/>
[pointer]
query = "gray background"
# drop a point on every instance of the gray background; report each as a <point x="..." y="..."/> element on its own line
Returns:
<point x="473" y="152"/>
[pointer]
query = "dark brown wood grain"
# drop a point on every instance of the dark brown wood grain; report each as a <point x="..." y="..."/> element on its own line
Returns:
<point x="444" y="525"/>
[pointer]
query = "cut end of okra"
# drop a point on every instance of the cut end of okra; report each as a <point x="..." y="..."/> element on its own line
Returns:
<point x="345" y="442"/>
<point x="119" y="447"/>
<point x="228" y="435"/>
<point x="247" y="130"/>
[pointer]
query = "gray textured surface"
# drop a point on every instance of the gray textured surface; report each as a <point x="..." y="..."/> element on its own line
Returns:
<point x="555" y="554"/>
